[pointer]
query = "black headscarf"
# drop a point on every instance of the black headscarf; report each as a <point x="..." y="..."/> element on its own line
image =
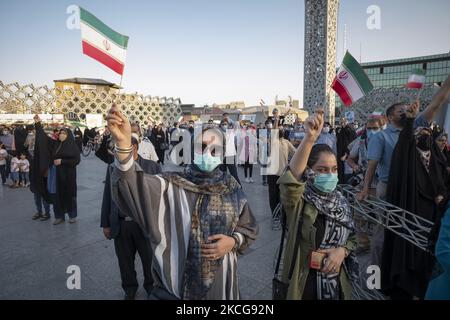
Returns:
<point x="20" y="134"/>
<point x="77" y="132"/>
<point x="344" y="136"/>
<point x="66" y="174"/>
<point x="40" y="163"/>
<point x="443" y="159"/>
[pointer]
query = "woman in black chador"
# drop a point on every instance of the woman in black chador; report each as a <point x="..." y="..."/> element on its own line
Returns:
<point x="78" y="138"/>
<point x="416" y="185"/>
<point x="62" y="174"/>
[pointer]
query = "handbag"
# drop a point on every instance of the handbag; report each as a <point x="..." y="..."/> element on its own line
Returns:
<point x="280" y="288"/>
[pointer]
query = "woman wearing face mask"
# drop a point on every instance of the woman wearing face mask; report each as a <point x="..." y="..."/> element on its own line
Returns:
<point x="62" y="174"/>
<point x="443" y="155"/>
<point x="416" y="185"/>
<point x="197" y="221"/>
<point x="358" y="152"/>
<point x="319" y="263"/>
<point x="326" y="137"/>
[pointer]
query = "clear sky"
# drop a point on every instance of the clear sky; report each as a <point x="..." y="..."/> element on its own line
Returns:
<point x="208" y="51"/>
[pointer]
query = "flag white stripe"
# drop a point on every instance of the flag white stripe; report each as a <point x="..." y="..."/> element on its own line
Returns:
<point x="97" y="39"/>
<point x="416" y="78"/>
<point x="350" y="84"/>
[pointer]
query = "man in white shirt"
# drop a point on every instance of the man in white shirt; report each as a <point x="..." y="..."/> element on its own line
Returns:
<point x="146" y="149"/>
<point x="327" y="138"/>
<point x="229" y="159"/>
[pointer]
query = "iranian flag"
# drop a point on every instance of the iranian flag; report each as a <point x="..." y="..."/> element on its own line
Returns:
<point x="351" y="82"/>
<point x="102" y="43"/>
<point x="416" y="79"/>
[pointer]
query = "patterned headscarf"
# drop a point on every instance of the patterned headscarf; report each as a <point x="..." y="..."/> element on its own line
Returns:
<point x="217" y="209"/>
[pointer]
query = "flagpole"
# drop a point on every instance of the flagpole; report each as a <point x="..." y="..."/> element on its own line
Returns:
<point x="120" y="85"/>
<point x="420" y="92"/>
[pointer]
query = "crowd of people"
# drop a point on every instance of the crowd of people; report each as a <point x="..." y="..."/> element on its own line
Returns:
<point x="189" y="225"/>
<point x="44" y="161"/>
<point x="400" y="157"/>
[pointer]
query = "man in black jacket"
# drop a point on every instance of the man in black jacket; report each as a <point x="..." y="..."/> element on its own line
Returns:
<point x="127" y="235"/>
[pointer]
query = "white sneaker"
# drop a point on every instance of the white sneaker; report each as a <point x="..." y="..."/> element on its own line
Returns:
<point x="251" y="180"/>
<point x="247" y="180"/>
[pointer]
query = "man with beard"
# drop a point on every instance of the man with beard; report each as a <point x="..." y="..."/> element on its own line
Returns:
<point x="380" y="150"/>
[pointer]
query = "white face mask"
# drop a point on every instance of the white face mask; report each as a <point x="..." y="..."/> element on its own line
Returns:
<point x="325" y="129"/>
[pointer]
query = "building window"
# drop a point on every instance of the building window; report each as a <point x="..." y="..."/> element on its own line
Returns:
<point x="424" y="66"/>
<point x="381" y="70"/>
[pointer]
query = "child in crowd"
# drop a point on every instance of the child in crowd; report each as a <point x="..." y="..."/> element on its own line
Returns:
<point x="14" y="175"/>
<point x="24" y="167"/>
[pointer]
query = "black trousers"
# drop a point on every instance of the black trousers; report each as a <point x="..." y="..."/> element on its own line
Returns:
<point x="160" y="153"/>
<point x="248" y="167"/>
<point x="274" y="191"/>
<point x="230" y="164"/>
<point x="130" y="240"/>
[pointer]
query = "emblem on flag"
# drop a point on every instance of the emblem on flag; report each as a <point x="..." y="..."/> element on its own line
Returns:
<point x="351" y="82"/>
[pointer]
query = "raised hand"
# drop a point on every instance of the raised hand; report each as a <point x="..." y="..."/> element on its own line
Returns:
<point x="314" y="124"/>
<point x="413" y="110"/>
<point x="119" y="126"/>
<point x="36" y="118"/>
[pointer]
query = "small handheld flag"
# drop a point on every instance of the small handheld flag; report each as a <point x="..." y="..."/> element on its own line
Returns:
<point x="416" y="80"/>
<point x="102" y="43"/>
<point x="351" y="82"/>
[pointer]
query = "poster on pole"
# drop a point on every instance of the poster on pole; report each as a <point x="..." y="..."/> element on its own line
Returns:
<point x="350" y="116"/>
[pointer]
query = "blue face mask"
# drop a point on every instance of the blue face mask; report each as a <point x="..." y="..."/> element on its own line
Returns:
<point x="371" y="133"/>
<point x="206" y="162"/>
<point x="326" y="182"/>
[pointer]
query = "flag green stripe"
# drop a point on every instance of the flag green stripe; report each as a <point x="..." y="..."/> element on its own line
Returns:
<point x="102" y="28"/>
<point x="419" y="72"/>
<point x="358" y="73"/>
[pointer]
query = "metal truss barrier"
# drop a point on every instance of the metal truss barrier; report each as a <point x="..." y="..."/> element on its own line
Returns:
<point x="406" y="225"/>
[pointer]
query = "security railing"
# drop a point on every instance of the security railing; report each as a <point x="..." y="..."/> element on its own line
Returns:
<point x="409" y="226"/>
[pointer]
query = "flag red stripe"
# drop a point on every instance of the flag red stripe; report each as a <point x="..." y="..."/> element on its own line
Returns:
<point x="414" y="85"/>
<point x="102" y="57"/>
<point x="342" y="92"/>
